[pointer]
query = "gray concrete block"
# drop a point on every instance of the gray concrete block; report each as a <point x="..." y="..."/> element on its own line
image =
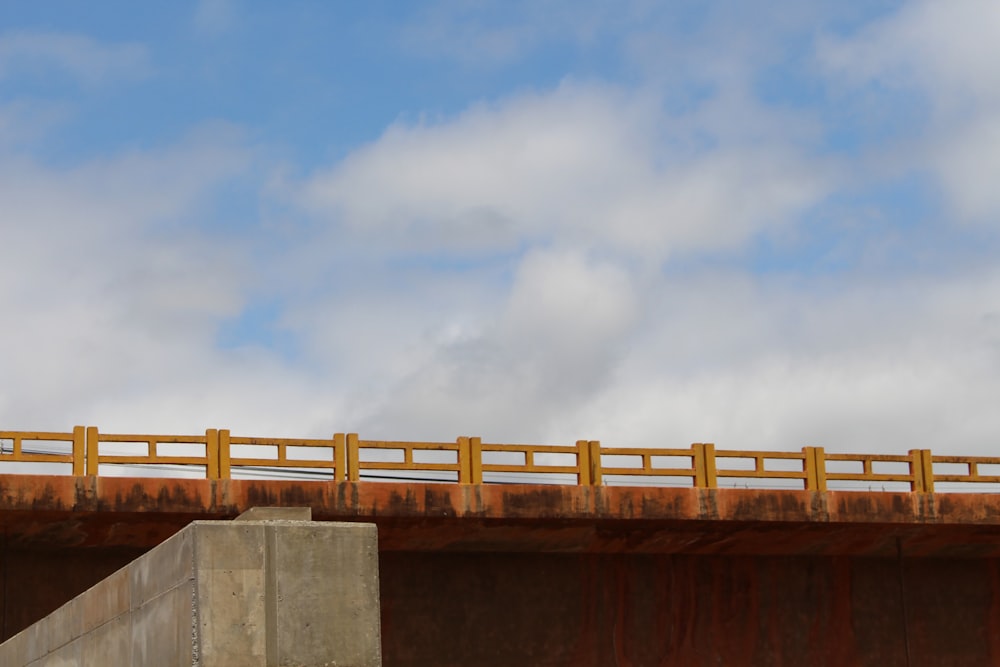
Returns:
<point x="163" y="630"/>
<point x="229" y="562"/>
<point x="64" y="624"/>
<point x="36" y="640"/>
<point x="276" y="514"/>
<point x="15" y="650"/>
<point x="109" y="644"/>
<point x="107" y="600"/>
<point x="161" y="569"/>
<point x="67" y="655"/>
<point x="268" y="593"/>
<point x="325" y="594"/>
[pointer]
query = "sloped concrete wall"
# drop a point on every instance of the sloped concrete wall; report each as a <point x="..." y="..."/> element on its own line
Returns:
<point x="220" y="594"/>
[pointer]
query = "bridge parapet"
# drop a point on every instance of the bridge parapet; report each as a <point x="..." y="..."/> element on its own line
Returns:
<point x="217" y="454"/>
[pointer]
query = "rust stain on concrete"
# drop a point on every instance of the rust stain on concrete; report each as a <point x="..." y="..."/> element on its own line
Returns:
<point x="140" y="512"/>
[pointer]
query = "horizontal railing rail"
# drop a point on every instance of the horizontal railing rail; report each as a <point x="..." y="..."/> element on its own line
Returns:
<point x="468" y="460"/>
<point x="12" y="447"/>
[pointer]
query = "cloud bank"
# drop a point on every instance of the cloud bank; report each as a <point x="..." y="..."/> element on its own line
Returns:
<point x="590" y="259"/>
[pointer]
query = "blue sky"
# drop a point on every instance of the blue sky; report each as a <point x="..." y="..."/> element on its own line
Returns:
<point x="758" y="224"/>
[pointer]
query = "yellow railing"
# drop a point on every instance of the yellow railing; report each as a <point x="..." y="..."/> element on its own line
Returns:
<point x="468" y="460"/>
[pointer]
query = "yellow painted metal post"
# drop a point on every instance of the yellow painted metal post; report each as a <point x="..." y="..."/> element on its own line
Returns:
<point x="583" y="463"/>
<point x="212" y="453"/>
<point x="820" y="455"/>
<point x="922" y="470"/>
<point x="704" y="464"/>
<point x="476" y="460"/>
<point x="815" y="468"/>
<point x="92" y="450"/>
<point x="928" y="465"/>
<point x="464" y="461"/>
<point x="353" y="465"/>
<point x="596" y="475"/>
<point x="225" y="471"/>
<point x="339" y="457"/>
<point x="79" y="450"/>
<point x="809" y="466"/>
<point x="917" y="477"/>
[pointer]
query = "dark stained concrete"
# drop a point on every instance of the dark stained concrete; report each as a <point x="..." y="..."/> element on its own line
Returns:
<point x="565" y="575"/>
<point x="682" y="610"/>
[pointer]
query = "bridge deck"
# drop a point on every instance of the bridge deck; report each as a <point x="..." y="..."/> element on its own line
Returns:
<point x="39" y="511"/>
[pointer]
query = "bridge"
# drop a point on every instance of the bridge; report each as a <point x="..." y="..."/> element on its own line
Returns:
<point x="574" y="554"/>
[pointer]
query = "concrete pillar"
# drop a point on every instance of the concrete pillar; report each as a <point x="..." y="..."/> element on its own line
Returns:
<point x="267" y="593"/>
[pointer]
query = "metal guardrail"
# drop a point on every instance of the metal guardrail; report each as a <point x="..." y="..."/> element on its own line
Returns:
<point x="468" y="460"/>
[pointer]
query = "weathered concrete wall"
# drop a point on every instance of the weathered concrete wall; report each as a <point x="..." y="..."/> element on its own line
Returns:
<point x="673" y="610"/>
<point x="220" y="594"/>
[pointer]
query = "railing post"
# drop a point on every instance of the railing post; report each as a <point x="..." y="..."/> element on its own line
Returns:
<point x="464" y="461"/>
<point x="583" y="477"/>
<point x="79" y="451"/>
<point x="704" y="465"/>
<point x="922" y="471"/>
<point x="92" y="450"/>
<point x="353" y="466"/>
<point x="596" y="476"/>
<point x="225" y="471"/>
<point x="212" y="453"/>
<point x="815" y="468"/>
<point x="476" y="460"/>
<point x="928" y="461"/>
<point x="339" y="457"/>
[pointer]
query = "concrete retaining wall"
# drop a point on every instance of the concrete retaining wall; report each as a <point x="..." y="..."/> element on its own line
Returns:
<point x="219" y="594"/>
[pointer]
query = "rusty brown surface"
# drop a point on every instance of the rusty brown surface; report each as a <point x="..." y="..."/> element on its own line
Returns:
<point x="60" y="512"/>
<point x="682" y="610"/>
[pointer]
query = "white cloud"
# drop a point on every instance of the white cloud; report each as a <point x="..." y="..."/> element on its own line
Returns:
<point x="111" y="293"/>
<point x="749" y="364"/>
<point x="495" y="33"/>
<point x="214" y="16"/>
<point x="90" y="61"/>
<point x="584" y="164"/>
<point x="945" y="52"/>
<point x="527" y="270"/>
<point x="947" y="48"/>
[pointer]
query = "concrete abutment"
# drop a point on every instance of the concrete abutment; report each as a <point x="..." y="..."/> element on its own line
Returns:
<point x="224" y="594"/>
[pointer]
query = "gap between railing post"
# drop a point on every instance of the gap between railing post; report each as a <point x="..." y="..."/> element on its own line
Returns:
<point x="815" y="467"/>
<point x="922" y="471"/>
<point x="704" y="465"/>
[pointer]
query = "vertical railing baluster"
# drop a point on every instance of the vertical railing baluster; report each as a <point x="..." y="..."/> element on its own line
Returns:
<point x="583" y="467"/>
<point x="476" y="460"/>
<point x="596" y="466"/>
<point x="79" y="451"/>
<point x="353" y="465"/>
<point x="212" y="453"/>
<point x="704" y="465"/>
<point x="93" y="450"/>
<point x="225" y="454"/>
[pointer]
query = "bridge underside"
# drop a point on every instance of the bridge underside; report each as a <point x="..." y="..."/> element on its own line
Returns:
<point x="500" y="575"/>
